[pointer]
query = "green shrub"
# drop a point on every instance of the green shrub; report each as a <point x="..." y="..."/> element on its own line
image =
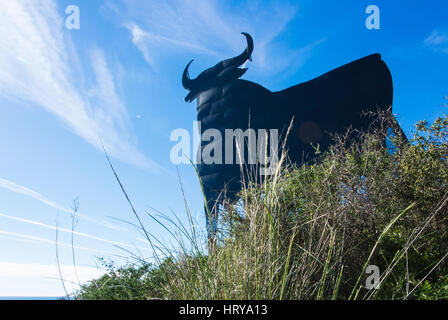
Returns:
<point x="130" y="282"/>
<point x="309" y="232"/>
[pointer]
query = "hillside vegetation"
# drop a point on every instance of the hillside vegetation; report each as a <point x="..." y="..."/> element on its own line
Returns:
<point x="312" y="232"/>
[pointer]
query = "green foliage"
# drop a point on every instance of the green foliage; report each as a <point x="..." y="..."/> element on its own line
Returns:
<point x="309" y="232"/>
<point x="130" y="282"/>
<point x="438" y="289"/>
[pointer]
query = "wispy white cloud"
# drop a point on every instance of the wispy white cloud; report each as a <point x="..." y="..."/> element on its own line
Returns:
<point x="438" y="40"/>
<point x="8" y="269"/>
<point x="65" y="230"/>
<point x="147" y="43"/>
<point x="20" y="189"/>
<point x="17" y="188"/>
<point x="205" y="27"/>
<point x="33" y="239"/>
<point x="38" y="66"/>
<point x="19" y="279"/>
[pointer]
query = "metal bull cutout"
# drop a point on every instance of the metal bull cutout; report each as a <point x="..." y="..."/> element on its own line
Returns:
<point x="328" y="104"/>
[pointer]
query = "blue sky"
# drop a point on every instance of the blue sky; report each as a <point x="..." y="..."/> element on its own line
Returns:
<point x="118" y="77"/>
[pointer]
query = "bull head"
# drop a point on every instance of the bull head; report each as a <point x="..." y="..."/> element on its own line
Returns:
<point x="222" y="72"/>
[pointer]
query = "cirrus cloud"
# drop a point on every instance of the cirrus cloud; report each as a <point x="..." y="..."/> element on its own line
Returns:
<point x="38" y="66"/>
<point x="438" y="40"/>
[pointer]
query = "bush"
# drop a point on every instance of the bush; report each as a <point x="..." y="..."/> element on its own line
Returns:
<point x="131" y="282"/>
<point x="310" y="232"/>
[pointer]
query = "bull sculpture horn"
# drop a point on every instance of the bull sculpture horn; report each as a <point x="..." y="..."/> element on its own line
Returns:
<point x="235" y="62"/>
<point x="244" y="56"/>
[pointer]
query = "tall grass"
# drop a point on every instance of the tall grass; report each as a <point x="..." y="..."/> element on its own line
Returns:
<point x="310" y="232"/>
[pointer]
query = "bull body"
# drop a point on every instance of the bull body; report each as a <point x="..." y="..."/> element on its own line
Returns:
<point x="328" y="104"/>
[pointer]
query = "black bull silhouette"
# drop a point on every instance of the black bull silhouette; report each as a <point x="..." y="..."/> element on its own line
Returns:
<point x="328" y="104"/>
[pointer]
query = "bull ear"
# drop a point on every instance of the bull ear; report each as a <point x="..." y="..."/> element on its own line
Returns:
<point x="230" y="74"/>
<point x="190" y="96"/>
